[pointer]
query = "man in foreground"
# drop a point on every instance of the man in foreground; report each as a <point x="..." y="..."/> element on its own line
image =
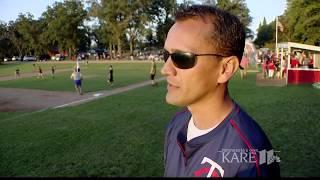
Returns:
<point x="202" y="53"/>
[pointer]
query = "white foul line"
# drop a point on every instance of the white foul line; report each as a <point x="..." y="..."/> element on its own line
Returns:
<point x="109" y="93"/>
<point x="74" y="102"/>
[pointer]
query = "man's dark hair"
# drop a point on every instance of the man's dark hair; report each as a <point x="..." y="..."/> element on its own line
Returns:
<point x="227" y="35"/>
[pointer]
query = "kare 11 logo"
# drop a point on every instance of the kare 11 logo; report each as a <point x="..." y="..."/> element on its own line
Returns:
<point x="249" y="156"/>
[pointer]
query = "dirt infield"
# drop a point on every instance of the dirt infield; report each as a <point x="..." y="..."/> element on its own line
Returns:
<point x="13" y="99"/>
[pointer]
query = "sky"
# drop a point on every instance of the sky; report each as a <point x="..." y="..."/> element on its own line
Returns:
<point x="269" y="9"/>
<point x="10" y="9"/>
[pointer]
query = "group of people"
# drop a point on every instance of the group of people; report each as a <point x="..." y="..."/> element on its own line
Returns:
<point x="270" y="65"/>
<point x="40" y="71"/>
<point x="298" y="59"/>
<point x="77" y="77"/>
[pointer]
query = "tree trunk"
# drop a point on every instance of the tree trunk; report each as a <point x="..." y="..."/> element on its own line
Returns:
<point x="113" y="52"/>
<point x="131" y="46"/>
<point x="69" y="53"/>
<point x="119" y="47"/>
<point x="110" y="50"/>
<point x="20" y="53"/>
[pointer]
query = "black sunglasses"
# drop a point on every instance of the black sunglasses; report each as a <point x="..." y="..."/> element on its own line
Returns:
<point x="184" y="60"/>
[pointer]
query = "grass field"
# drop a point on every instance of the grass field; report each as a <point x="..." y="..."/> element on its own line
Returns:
<point x="122" y="135"/>
<point x="95" y="76"/>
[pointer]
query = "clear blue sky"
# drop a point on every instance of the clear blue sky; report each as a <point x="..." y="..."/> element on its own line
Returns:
<point x="10" y="9"/>
<point x="265" y="8"/>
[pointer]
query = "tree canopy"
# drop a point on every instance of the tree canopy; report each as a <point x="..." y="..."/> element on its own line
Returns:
<point x="301" y="23"/>
<point x="63" y="25"/>
<point x="120" y="25"/>
<point x="303" y="19"/>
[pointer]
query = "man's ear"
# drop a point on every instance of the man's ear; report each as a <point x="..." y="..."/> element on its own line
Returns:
<point x="230" y="66"/>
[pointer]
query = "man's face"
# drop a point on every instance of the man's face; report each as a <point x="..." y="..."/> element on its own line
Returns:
<point x="198" y="84"/>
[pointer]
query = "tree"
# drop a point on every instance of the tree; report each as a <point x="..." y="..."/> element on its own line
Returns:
<point x="150" y="38"/>
<point x="24" y="34"/>
<point x="103" y="37"/>
<point x="64" y="25"/>
<point x="161" y="13"/>
<point x="6" y="46"/>
<point x="301" y="23"/>
<point x="265" y="33"/>
<point x="238" y="8"/>
<point x="114" y="15"/>
<point x="303" y="20"/>
<point x="137" y="22"/>
<point x="84" y="39"/>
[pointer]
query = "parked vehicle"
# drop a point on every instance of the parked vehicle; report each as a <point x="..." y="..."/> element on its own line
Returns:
<point x="16" y="58"/>
<point x="99" y="53"/>
<point x="44" y="57"/>
<point x="29" y="58"/>
<point x="83" y="55"/>
<point x="59" y="57"/>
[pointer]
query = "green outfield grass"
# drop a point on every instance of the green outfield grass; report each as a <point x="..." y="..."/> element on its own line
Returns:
<point x="122" y="135"/>
<point x="95" y="76"/>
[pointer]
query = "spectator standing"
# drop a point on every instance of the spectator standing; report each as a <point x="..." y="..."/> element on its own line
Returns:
<point x="40" y="73"/>
<point x="153" y="72"/>
<point x="294" y="62"/>
<point x="271" y="69"/>
<point x="110" y="76"/>
<point x="53" y="68"/>
<point x="310" y="63"/>
<point x="245" y="65"/>
<point x="17" y="72"/>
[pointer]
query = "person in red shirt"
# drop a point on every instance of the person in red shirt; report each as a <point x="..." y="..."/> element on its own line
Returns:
<point x="271" y="68"/>
<point x="310" y="64"/>
<point x="294" y="62"/>
<point x="264" y="69"/>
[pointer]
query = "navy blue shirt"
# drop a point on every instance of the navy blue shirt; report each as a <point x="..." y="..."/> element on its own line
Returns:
<point x="237" y="147"/>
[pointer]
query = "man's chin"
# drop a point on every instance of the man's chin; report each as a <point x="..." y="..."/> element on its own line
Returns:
<point x="174" y="101"/>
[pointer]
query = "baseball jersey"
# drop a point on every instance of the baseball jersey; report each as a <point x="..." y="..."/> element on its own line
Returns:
<point x="271" y="66"/>
<point x="237" y="147"/>
<point x="76" y="76"/>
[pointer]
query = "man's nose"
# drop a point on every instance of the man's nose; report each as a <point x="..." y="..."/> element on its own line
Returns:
<point x="168" y="68"/>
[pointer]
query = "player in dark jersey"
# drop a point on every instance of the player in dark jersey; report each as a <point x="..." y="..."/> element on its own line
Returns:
<point x="53" y="69"/>
<point x="17" y="72"/>
<point x="213" y="136"/>
<point x="40" y="73"/>
<point x="153" y="71"/>
<point x="110" y="78"/>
